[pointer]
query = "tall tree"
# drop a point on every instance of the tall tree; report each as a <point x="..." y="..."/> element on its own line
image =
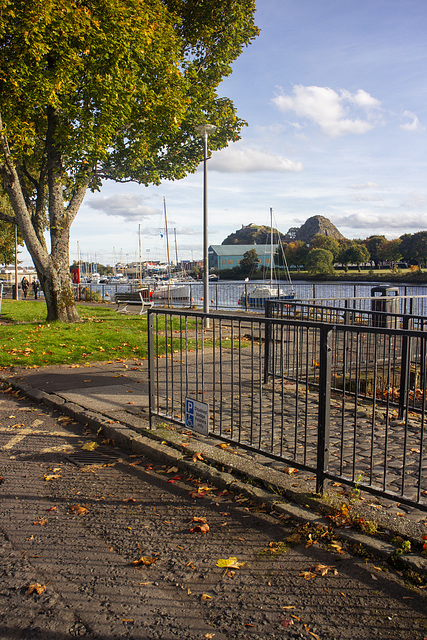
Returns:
<point x="249" y="263"/>
<point x="374" y="245"/>
<point x="296" y="253"/>
<point x="92" y="90"/>
<point x="414" y="247"/>
<point x="320" y="262"/>
<point x="326" y="242"/>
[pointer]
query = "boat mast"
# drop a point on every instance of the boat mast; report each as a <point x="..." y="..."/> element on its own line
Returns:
<point x="271" y="247"/>
<point x="140" y="257"/>
<point x="167" y="236"/>
<point x="176" y="248"/>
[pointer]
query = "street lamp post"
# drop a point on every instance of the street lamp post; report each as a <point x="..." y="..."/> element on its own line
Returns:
<point x="204" y="130"/>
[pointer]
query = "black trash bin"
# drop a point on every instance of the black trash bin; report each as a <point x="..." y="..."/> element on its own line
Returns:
<point x="386" y="300"/>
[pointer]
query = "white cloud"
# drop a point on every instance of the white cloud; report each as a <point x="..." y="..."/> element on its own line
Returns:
<point x="240" y="159"/>
<point x="365" y="185"/>
<point x="370" y="220"/>
<point x="122" y="205"/>
<point x="335" y="113"/>
<point x="413" y="125"/>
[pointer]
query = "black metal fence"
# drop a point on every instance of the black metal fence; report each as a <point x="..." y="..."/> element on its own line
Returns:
<point x="344" y="402"/>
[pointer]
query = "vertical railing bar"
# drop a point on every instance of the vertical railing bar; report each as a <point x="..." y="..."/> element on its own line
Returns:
<point x="324" y="407"/>
<point x="387" y="339"/>
<point x="423" y="388"/>
<point x="150" y="327"/>
<point x="282" y="377"/>
<point x="232" y="380"/>
<point x="221" y="378"/>
<point x="213" y="405"/>
<point x="373" y="420"/>
<point x="239" y="328"/>
<point x="356" y="402"/>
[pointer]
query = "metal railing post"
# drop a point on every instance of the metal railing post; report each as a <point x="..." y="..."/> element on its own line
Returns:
<point x="150" y="329"/>
<point x="324" y="406"/>
<point x="267" y="339"/>
<point x="405" y="368"/>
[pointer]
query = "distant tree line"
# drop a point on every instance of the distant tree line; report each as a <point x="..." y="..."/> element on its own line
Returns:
<point x="325" y="253"/>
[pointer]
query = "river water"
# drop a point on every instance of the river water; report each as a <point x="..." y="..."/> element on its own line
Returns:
<point x="226" y="294"/>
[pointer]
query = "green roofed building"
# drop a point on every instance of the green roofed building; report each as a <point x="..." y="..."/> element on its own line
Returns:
<point x="228" y="256"/>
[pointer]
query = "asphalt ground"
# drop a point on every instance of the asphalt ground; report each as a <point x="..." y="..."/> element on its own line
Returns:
<point x="113" y="396"/>
<point x="99" y="542"/>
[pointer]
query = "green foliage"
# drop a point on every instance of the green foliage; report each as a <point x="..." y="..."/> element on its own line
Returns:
<point x="249" y="263"/>
<point x="374" y="245"/>
<point x="296" y="253"/>
<point x="107" y="89"/>
<point x="326" y="242"/>
<point x="320" y="261"/>
<point x="414" y="247"/>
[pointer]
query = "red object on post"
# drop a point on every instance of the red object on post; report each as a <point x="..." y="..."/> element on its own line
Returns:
<point x="75" y="277"/>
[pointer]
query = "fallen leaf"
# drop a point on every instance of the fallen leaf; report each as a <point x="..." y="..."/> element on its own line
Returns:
<point x="230" y="563"/>
<point x="200" y="528"/>
<point x="289" y="607"/>
<point x="287" y="623"/>
<point x="199" y="519"/>
<point x="52" y="509"/>
<point x="79" y="510"/>
<point x="314" y="635"/>
<point x="41" y="522"/>
<point x="209" y="636"/>
<point x="290" y="470"/>
<point x="37" y="588"/>
<point x="53" y="476"/>
<point x="197" y="456"/>
<point x="90" y="446"/>
<point x="144" y="560"/>
<point x="307" y="575"/>
<point x="205" y="596"/>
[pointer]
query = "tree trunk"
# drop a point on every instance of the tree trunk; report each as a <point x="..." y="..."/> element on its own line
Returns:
<point x="52" y="268"/>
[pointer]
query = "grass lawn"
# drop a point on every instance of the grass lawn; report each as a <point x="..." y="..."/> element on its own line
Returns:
<point x="27" y="340"/>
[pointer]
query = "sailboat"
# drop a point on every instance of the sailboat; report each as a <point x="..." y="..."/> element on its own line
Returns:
<point x="257" y="296"/>
<point x="171" y="288"/>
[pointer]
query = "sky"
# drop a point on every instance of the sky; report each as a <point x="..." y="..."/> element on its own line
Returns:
<point x="335" y="97"/>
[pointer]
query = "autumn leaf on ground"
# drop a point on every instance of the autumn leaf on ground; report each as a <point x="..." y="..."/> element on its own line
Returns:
<point x="337" y="546"/>
<point x="205" y="596"/>
<point x="197" y="456"/>
<point x="36" y="588"/>
<point x="229" y="563"/>
<point x="90" y="446"/>
<point x="51" y="476"/>
<point x="201" y="519"/>
<point x="324" y="568"/>
<point x="200" y="528"/>
<point x="41" y="522"/>
<point x="144" y="560"/>
<point x="290" y="470"/>
<point x="78" y="510"/>
<point x="307" y="575"/>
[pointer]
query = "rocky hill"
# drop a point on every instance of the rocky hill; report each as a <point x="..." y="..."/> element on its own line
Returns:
<point x="316" y="225"/>
<point x="260" y="234"/>
<point x="253" y="234"/>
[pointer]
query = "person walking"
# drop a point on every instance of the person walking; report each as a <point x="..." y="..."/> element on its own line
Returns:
<point x="36" y="287"/>
<point x="24" y="286"/>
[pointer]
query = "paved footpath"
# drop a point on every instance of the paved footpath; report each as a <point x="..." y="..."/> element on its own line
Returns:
<point x="103" y="544"/>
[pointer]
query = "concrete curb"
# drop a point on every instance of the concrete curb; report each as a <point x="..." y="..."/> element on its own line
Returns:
<point x="227" y="471"/>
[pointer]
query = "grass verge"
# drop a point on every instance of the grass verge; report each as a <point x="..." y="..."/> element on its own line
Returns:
<point x="26" y="339"/>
